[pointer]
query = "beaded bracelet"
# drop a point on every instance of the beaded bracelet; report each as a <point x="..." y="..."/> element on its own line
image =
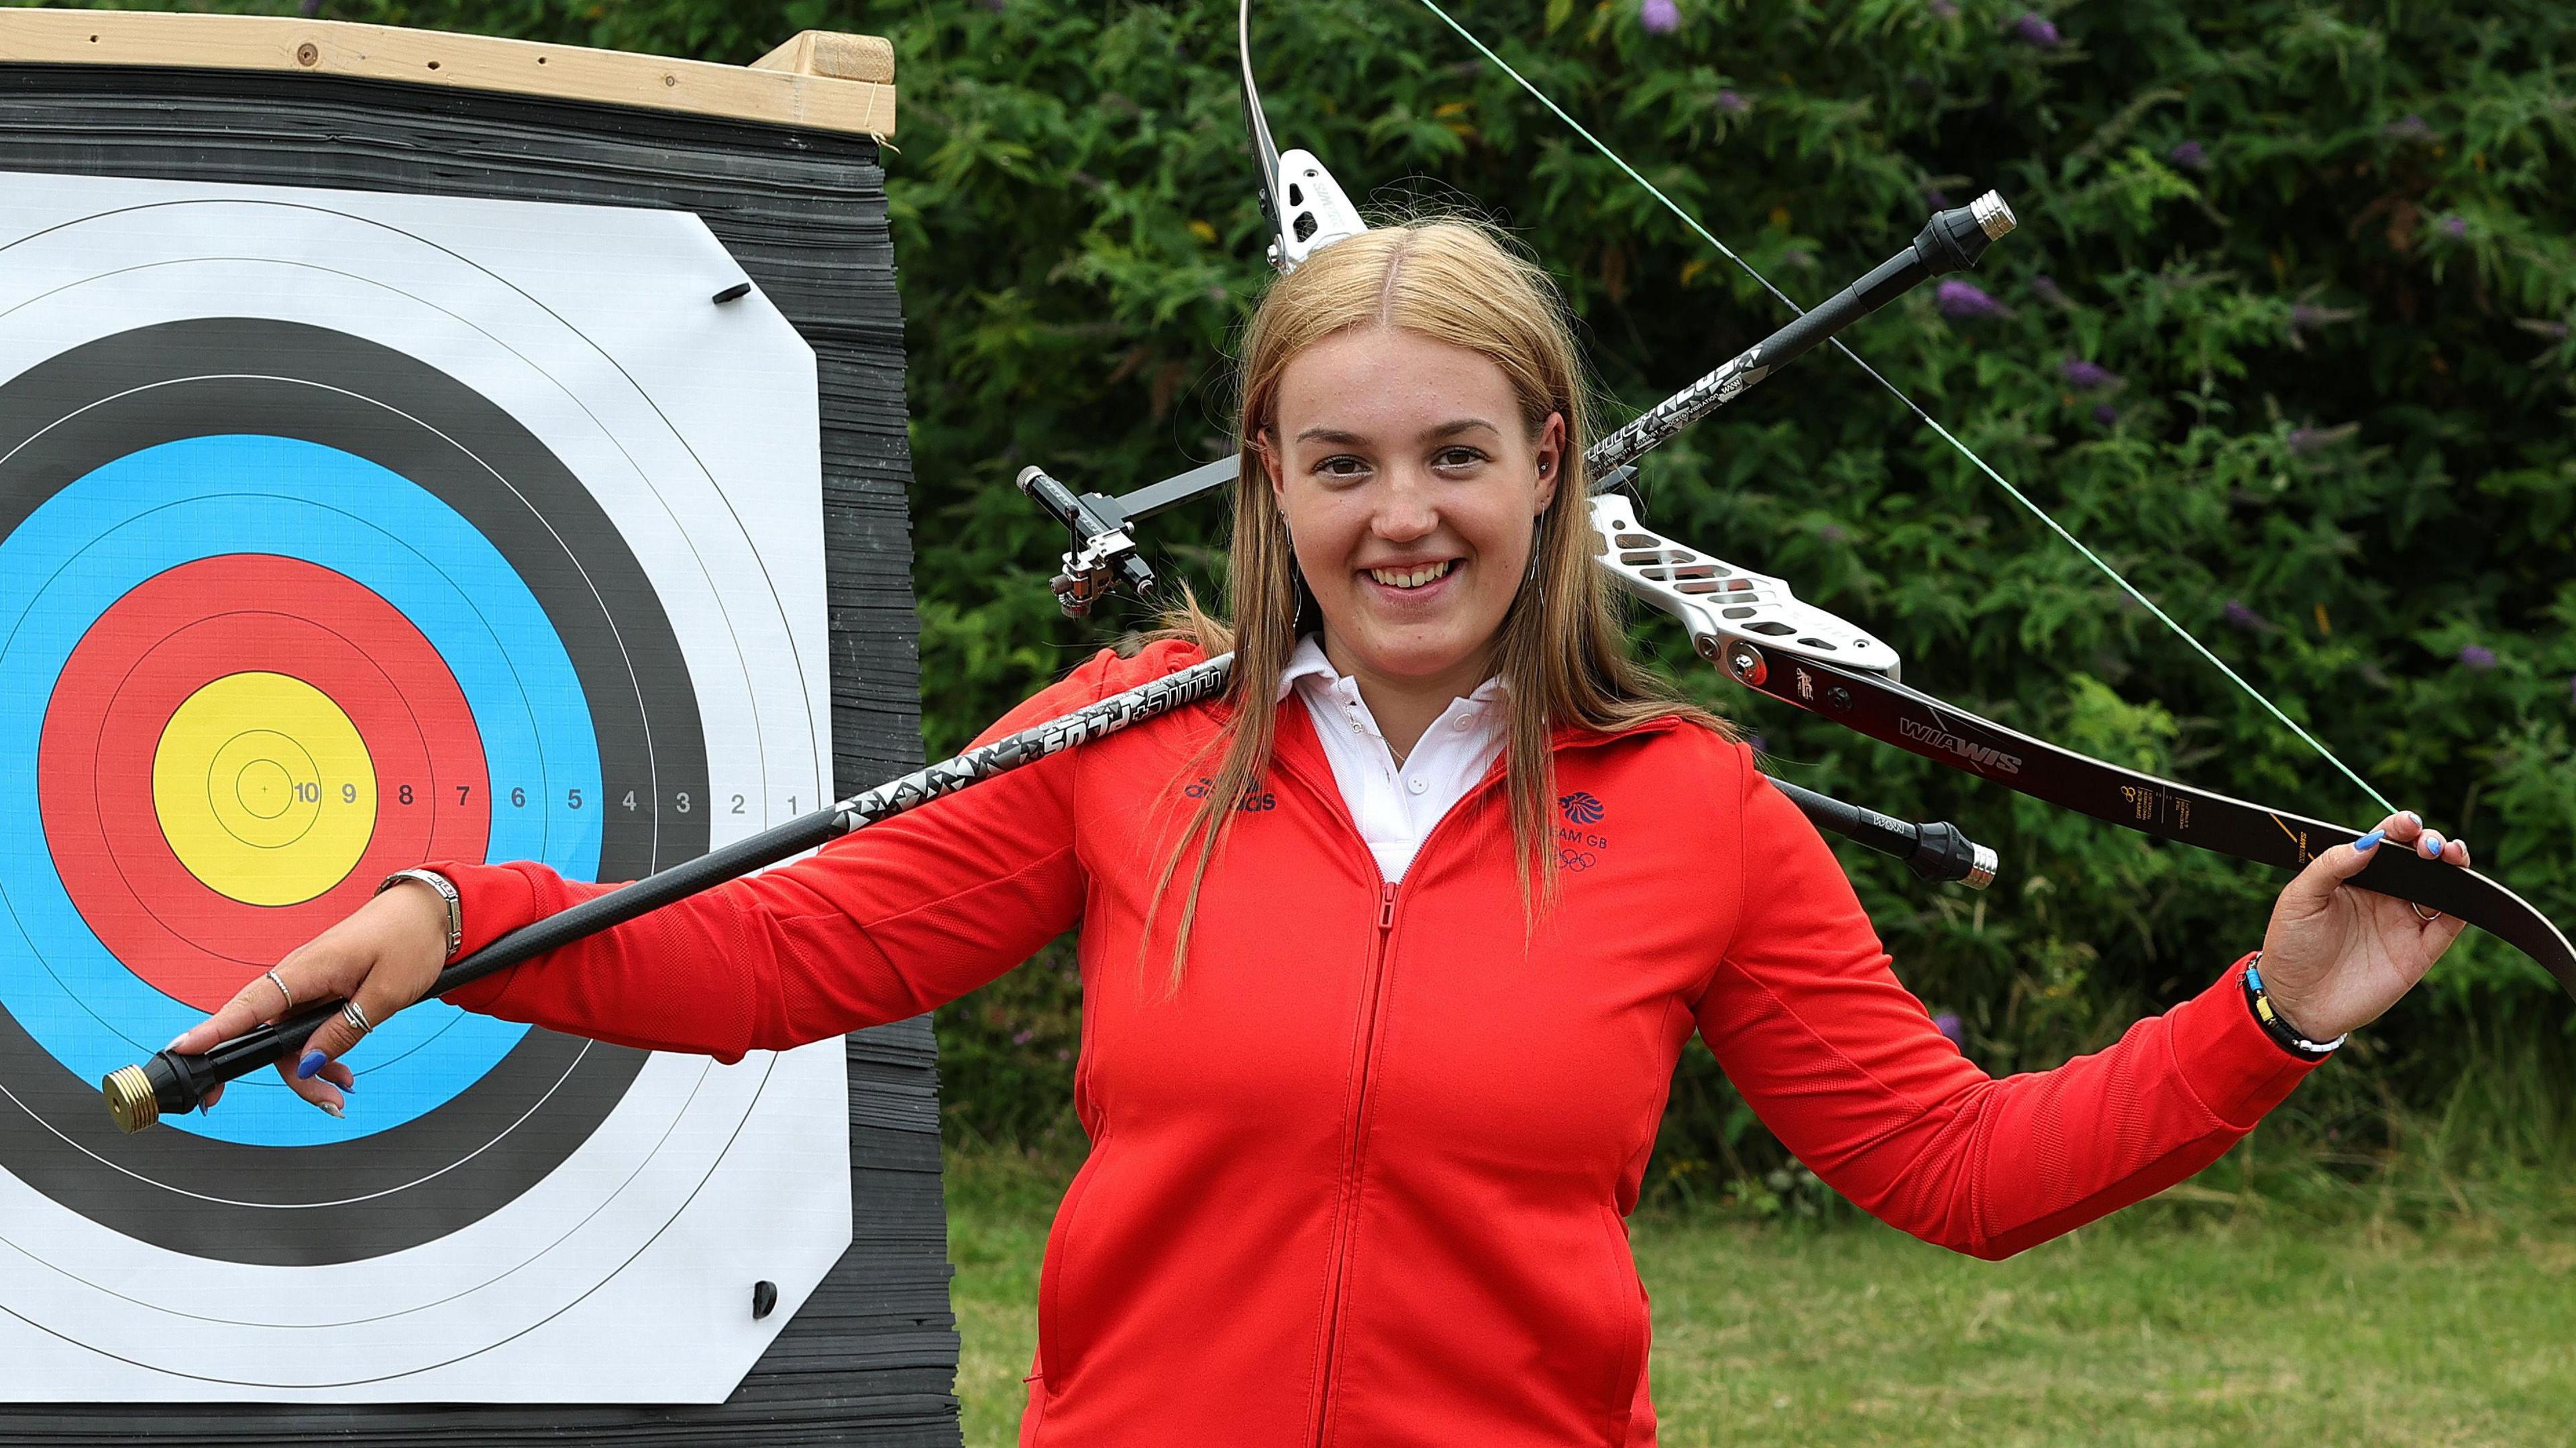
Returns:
<point x="2276" y="1025"/>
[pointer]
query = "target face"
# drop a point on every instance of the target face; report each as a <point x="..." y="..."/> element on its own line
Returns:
<point x="341" y="532"/>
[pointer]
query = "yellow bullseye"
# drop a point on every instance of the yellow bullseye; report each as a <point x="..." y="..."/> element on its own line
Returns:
<point x="264" y="789"/>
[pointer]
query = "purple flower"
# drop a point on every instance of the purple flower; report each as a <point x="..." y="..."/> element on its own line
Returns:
<point x="1965" y="301"/>
<point x="2543" y="327"/>
<point x="2045" y="288"/>
<point x="1733" y="104"/>
<point x="1935" y="199"/>
<point x="1945" y="9"/>
<point x="2035" y="30"/>
<point x="2189" y="156"/>
<point x="2455" y="226"/>
<point x="2105" y="414"/>
<point x="1659" y="17"/>
<point x="1022" y="1038"/>
<point x="2477" y="656"/>
<point x="2242" y="617"/>
<point x="1756" y="743"/>
<point x="2412" y="128"/>
<point x="311" y="8"/>
<point x="2087" y="376"/>
<point x="1949" y="1024"/>
<point x="1833" y="533"/>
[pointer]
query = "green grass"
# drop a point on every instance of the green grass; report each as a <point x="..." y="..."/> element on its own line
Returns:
<point x="2175" y="1324"/>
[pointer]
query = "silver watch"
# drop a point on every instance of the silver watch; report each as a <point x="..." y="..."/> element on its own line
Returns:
<point x="446" y="889"/>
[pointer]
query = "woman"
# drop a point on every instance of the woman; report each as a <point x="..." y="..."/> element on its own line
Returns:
<point x="1387" y="957"/>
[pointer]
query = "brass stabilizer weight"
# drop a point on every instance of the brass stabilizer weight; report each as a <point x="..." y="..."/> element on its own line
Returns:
<point x="130" y="1098"/>
<point x="170" y="1084"/>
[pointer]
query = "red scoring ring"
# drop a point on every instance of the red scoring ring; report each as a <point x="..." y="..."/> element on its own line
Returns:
<point x="172" y="635"/>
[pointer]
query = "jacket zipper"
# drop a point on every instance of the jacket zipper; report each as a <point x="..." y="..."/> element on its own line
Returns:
<point x="1346" y="1196"/>
<point x="1345" y="1199"/>
<point x="1345" y="1202"/>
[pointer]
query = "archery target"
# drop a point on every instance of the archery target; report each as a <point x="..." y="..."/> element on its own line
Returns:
<point x="340" y="532"/>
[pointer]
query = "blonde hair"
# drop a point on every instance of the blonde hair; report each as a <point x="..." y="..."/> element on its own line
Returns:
<point x="1561" y="649"/>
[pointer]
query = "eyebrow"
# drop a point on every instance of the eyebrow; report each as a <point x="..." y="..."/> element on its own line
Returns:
<point x="1339" y="438"/>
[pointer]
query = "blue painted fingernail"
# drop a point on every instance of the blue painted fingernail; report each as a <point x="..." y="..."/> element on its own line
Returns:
<point x="311" y="1063"/>
<point x="2432" y="843"/>
<point x="2418" y="819"/>
<point x="2370" y="842"/>
<point x="352" y="1086"/>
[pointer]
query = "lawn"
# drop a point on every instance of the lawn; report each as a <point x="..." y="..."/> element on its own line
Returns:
<point x="2201" y="1324"/>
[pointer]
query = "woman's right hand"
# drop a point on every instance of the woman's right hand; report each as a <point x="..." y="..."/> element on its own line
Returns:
<point x="385" y="955"/>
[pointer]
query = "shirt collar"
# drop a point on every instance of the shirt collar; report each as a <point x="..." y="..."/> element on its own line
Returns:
<point x="1310" y="662"/>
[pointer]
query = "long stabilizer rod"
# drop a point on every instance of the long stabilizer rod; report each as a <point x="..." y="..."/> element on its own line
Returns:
<point x="1951" y="241"/>
<point x="171" y="1083"/>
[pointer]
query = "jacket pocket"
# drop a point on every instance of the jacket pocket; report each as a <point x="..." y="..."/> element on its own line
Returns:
<point x="1058" y="1355"/>
<point x="1628" y="1349"/>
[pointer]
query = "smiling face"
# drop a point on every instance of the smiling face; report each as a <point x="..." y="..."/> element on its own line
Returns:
<point x="1412" y="487"/>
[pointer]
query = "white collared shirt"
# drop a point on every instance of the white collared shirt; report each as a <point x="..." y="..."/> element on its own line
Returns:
<point x="1395" y="807"/>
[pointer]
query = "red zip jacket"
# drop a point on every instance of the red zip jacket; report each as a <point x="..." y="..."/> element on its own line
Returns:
<point x="1365" y="1179"/>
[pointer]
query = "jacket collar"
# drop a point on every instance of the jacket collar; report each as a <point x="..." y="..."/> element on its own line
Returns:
<point x="1295" y="744"/>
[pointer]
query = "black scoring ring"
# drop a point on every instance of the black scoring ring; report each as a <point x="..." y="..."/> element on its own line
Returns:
<point x="443" y="1171"/>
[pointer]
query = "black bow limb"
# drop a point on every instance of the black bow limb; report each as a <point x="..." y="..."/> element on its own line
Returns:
<point x="1911" y="720"/>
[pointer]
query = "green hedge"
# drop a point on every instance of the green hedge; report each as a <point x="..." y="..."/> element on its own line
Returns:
<point x="2284" y="335"/>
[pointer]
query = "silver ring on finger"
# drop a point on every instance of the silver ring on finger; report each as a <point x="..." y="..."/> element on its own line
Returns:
<point x="356" y="1018"/>
<point x="2420" y="913"/>
<point x="272" y="979"/>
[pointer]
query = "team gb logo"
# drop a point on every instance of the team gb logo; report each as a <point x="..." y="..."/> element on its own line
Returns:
<point x="1581" y="807"/>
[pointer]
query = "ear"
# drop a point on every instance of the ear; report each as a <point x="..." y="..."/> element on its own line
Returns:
<point x="1551" y="459"/>
<point x="1270" y="467"/>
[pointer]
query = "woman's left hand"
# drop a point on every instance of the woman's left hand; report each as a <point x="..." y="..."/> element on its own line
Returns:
<point x="2335" y="955"/>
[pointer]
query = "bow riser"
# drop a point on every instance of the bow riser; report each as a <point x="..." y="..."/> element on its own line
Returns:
<point x="1713" y="597"/>
<point x="1751" y="626"/>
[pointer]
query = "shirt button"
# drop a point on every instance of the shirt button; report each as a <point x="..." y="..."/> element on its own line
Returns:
<point x="1417" y="786"/>
<point x="1461" y="722"/>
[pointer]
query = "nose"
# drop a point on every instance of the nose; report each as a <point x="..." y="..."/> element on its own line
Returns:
<point x="1406" y="506"/>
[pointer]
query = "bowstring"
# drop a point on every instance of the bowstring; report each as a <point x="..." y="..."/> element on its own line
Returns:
<point x="1910" y="405"/>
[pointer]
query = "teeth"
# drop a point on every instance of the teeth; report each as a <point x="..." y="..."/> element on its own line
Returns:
<point x="1409" y="577"/>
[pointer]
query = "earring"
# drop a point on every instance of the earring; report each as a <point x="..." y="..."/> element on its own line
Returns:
<point x="1538" y="535"/>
